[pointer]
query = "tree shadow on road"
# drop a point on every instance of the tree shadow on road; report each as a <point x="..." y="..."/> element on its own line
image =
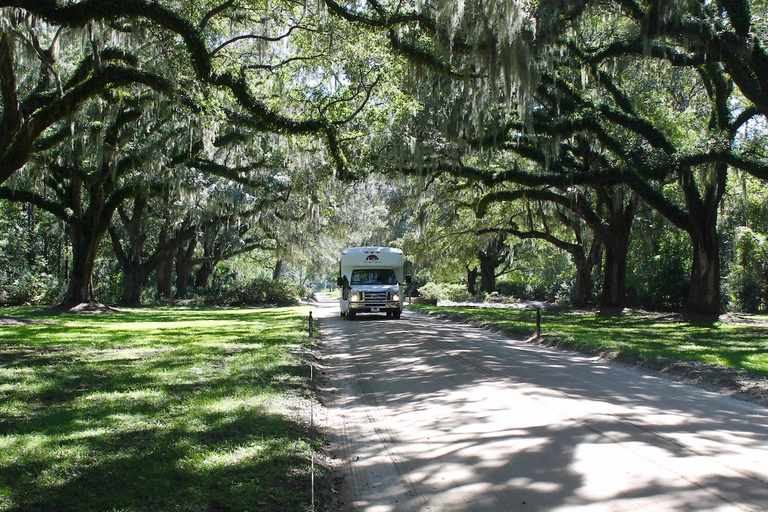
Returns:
<point x="473" y="417"/>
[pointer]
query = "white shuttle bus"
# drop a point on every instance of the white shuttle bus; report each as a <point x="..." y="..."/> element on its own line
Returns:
<point x="371" y="281"/>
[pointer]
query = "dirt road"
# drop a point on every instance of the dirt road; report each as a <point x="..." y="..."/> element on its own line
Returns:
<point x="430" y="415"/>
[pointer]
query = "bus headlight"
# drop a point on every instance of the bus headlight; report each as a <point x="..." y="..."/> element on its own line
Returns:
<point x="354" y="298"/>
<point x="396" y="297"/>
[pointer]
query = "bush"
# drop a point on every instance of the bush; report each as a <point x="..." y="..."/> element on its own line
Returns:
<point x="746" y="283"/>
<point x="254" y="292"/>
<point x="31" y="288"/>
<point x="445" y="291"/>
<point x="521" y="289"/>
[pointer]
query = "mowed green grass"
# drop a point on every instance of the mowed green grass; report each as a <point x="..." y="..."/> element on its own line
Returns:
<point x="735" y="345"/>
<point x="156" y="409"/>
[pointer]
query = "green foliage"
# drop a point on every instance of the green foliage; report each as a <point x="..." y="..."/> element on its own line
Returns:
<point x="255" y="291"/>
<point x="745" y="222"/>
<point x="31" y="259"/>
<point x="31" y="288"/>
<point x="658" y="264"/>
<point x="747" y="282"/>
<point x="445" y="291"/>
<point x="532" y="289"/>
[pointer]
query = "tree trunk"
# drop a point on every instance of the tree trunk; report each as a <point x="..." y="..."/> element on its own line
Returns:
<point x="704" y="290"/>
<point x="184" y="264"/>
<point x="85" y="245"/>
<point x="204" y="273"/>
<point x="85" y="233"/>
<point x="138" y="269"/>
<point x="134" y="273"/>
<point x="615" y="275"/>
<point x="277" y="272"/>
<point x="472" y="280"/>
<point x="487" y="273"/>
<point x="133" y="283"/>
<point x="164" y="276"/>
<point x="491" y="258"/>
<point x="616" y="250"/>
<point x="583" y="286"/>
<point x="582" y="293"/>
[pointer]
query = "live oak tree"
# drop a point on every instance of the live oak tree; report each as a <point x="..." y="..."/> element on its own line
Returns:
<point x="506" y="62"/>
<point x="444" y="240"/>
<point x="236" y="61"/>
<point x="84" y="183"/>
<point x="47" y="74"/>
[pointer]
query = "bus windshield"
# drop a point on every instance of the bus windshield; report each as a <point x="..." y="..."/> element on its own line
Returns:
<point x="374" y="276"/>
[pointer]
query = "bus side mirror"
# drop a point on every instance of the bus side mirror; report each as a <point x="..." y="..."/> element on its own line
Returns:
<point x="407" y="278"/>
<point x="339" y="281"/>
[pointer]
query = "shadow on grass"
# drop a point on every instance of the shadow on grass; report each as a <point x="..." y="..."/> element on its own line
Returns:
<point x="154" y="411"/>
<point x="230" y="465"/>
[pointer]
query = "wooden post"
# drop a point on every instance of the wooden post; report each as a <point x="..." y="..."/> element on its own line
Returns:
<point x="311" y="327"/>
<point x="538" y="322"/>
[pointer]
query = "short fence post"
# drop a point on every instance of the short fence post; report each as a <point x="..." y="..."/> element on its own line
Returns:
<point x="312" y="424"/>
<point x="538" y="322"/>
<point x="311" y="326"/>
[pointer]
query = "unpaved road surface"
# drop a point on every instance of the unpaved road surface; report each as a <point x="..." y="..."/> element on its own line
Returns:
<point x="431" y="415"/>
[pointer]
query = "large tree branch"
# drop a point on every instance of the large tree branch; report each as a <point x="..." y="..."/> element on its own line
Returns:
<point x="569" y="247"/>
<point x="10" y="119"/>
<point x="79" y="14"/>
<point x="16" y="153"/>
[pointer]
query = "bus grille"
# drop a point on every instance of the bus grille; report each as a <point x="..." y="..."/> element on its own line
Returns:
<point x="379" y="296"/>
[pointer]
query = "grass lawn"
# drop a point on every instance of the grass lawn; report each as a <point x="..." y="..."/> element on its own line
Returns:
<point x="736" y="345"/>
<point x="156" y="409"/>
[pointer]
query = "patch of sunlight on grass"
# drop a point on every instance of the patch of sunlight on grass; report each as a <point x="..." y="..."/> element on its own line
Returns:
<point x="125" y="422"/>
<point x="691" y="347"/>
<point x="140" y="396"/>
<point x="14" y="408"/>
<point x="86" y="434"/>
<point x="270" y="403"/>
<point x="123" y="354"/>
<point x="10" y="373"/>
<point x="30" y="445"/>
<point x="218" y="459"/>
<point x="715" y="359"/>
<point x="24" y="387"/>
<point x="201" y="325"/>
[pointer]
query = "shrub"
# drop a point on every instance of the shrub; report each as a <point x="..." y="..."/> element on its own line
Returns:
<point x="29" y="288"/>
<point x="524" y="289"/>
<point x="445" y="291"/>
<point x="255" y="291"/>
<point x="747" y="281"/>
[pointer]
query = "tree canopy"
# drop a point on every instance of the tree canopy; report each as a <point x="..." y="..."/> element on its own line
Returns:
<point x="467" y="131"/>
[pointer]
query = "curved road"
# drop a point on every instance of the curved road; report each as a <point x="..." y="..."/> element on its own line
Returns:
<point x="432" y="415"/>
